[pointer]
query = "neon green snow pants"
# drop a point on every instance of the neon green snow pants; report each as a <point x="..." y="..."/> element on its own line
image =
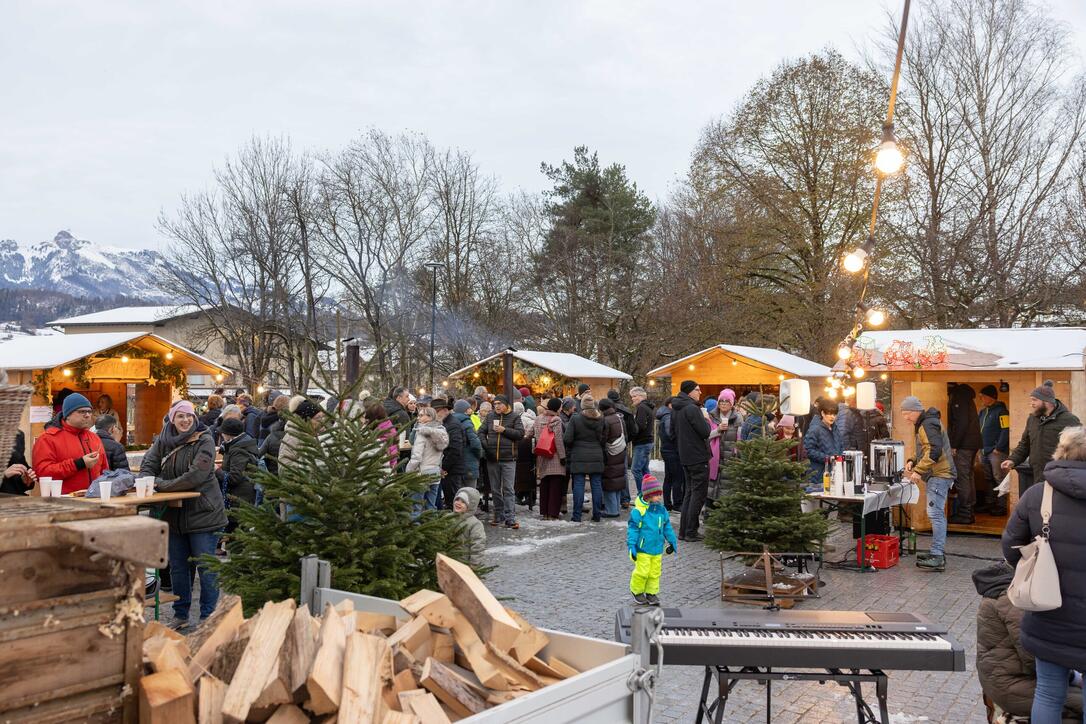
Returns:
<point x="646" y="574"/>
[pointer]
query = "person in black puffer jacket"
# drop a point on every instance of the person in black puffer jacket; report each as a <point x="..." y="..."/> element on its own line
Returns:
<point x="1006" y="671"/>
<point x="182" y="458"/>
<point x="691" y="430"/>
<point x="1056" y="638"/>
<point x="109" y="431"/>
<point x="585" y="456"/>
<point x="674" y="478"/>
<point x="614" y="469"/>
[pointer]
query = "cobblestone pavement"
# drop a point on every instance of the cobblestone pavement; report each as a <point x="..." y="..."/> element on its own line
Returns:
<point x="574" y="576"/>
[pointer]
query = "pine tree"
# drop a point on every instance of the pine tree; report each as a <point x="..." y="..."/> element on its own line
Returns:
<point x="761" y="503"/>
<point x="346" y="507"/>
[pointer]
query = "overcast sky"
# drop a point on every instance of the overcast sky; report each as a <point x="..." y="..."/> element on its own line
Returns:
<point x="110" y="110"/>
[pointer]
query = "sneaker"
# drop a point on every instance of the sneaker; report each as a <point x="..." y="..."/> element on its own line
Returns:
<point x="513" y="526"/>
<point x="641" y="598"/>
<point x="922" y="555"/>
<point x="654" y="600"/>
<point x="695" y="537"/>
<point x="178" y="624"/>
<point x="932" y="563"/>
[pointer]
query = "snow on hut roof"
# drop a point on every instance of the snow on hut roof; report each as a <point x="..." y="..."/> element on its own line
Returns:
<point x="1022" y="348"/>
<point x="566" y="364"/>
<point x="46" y="353"/>
<point x="767" y="356"/>
<point x="130" y="315"/>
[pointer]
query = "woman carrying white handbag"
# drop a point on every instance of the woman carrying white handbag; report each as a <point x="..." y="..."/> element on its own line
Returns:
<point x="1049" y="526"/>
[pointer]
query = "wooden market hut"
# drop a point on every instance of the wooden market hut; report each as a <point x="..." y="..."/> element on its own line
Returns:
<point x="142" y="373"/>
<point x="554" y="373"/>
<point x="926" y="362"/>
<point x="741" y="368"/>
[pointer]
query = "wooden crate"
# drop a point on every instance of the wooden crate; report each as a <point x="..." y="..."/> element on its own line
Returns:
<point x="71" y="628"/>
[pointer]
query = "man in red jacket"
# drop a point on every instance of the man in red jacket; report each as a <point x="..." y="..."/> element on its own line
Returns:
<point x="71" y="452"/>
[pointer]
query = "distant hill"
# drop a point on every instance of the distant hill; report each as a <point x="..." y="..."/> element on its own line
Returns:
<point x="68" y="276"/>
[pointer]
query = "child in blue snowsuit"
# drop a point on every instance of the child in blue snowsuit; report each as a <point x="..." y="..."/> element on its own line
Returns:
<point x="648" y="536"/>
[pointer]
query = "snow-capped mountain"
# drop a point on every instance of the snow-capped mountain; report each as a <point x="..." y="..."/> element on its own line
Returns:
<point x="81" y="268"/>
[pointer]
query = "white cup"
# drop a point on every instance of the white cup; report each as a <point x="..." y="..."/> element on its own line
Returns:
<point x="105" y="491"/>
<point x="45" y="487"/>
<point x="56" y="488"/>
<point x="144" y="487"/>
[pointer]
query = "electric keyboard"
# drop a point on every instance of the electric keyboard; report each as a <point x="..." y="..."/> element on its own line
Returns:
<point x="875" y="640"/>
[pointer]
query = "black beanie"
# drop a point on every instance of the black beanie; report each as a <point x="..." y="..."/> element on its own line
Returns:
<point x="613" y="395"/>
<point x="554" y="404"/>
<point x="232" y="427"/>
<point x="502" y="399"/>
<point x="307" y="410"/>
<point x="582" y="388"/>
<point x="687" y="386"/>
<point x="990" y="391"/>
<point x="606" y="404"/>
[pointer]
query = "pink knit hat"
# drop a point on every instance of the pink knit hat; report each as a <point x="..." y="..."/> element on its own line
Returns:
<point x="182" y="406"/>
<point x="726" y="394"/>
<point x="651" y="486"/>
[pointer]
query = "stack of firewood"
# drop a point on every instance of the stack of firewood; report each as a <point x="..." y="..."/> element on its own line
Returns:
<point x="458" y="653"/>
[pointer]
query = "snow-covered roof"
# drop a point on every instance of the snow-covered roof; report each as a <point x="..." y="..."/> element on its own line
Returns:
<point x="46" y="353"/>
<point x="129" y="315"/>
<point x="766" y="356"/>
<point x="1018" y="348"/>
<point x="566" y="364"/>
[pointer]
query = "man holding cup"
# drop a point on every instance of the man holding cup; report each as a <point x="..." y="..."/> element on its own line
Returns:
<point x="71" y="453"/>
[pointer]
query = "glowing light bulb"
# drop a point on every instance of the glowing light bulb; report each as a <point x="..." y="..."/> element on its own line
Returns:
<point x="854" y="261"/>
<point x="888" y="158"/>
<point x="876" y="317"/>
<point x="169" y="355"/>
<point x="475" y="376"/>
<point x="546" y="380"/>
<point x="652" y="383"/>
<point x="422" y="390"/>
<point x="260" y="389"/>
<point x="219" y="377"/>
<point x="844" y="352"/>
<point x="444" y="383"/>
<point x="735" y="362"/>
<point x="858" y="372"/>
<point x="780" y="377"/>
<point x="832" y="392"/>
<point x="124" y="358"/>
<point x="849" y="391"/>
<point x="884" y="376"/>
<point x="690" y="367"/>
<point x="67" y="372"/>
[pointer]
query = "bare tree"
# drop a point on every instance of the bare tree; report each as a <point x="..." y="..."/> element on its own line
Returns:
<point x="992" y="119"/>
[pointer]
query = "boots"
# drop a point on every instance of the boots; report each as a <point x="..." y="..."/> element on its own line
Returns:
<point x="931" y="563"/>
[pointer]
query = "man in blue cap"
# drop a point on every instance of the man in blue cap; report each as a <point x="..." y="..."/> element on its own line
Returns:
<point x="71" y="452"/>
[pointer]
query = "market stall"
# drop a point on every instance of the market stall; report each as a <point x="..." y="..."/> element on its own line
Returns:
<point x="741" y="368"/>
<point x="553" y="373"/>
<point x="925" y="363"/>
<point x="142" y="374"/>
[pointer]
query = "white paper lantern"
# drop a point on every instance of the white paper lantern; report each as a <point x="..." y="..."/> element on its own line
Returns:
<point x="865" y="396"/>
<point x="795" y="397"/>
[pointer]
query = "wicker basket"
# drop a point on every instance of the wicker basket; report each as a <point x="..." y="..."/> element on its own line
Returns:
<point x="13" y="400"/>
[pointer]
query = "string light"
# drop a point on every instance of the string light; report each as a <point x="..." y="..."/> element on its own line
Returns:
<point x="858" y="372"/>
<point x="546" y="380"/>
<point x="67" y="372"/>
<point x="884" y="376"/>
<point x="876" y="317"/>
<point x="735" y="362"/>
<point x="844" y="352"/>
<point x="652" y="383"/>
<point x="260" y="389"/>
<point x="780" y="378"/>
<point x="124" y="358"/>
<point x="475" y="376"/>
<point x="169" y="355"/>
<point x="832" y="392"/>
<point x="856" y="259"/>
<point x="219" y="377"/>
<point x="444" y="383"/>
<point x="888" y="157"/>
<point x="422" y="390"/>
<point x="690" y="367"/>
<point x="849" y="391"/>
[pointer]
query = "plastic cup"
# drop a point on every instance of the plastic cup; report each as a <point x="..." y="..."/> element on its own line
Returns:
<point x="56" y="488"/>
<point x="45" y="487"/>
<point x="496" y="423"/>
<point x="105" y="491"/>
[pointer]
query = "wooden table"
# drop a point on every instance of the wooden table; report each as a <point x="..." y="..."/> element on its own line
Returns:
<point x="171" y="500"/>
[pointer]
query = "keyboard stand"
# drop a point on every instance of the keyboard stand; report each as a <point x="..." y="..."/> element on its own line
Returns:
<point x="727" y="678"/>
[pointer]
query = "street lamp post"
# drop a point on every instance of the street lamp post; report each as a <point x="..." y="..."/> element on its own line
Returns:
<point x="433" y="266"/>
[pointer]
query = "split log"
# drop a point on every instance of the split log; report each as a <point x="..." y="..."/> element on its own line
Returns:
<point x="411" y="636"/>
<point x="219" y="628"/>
<point x="277" y="689"/>
<point x="288" y="714"/>
<point x="475" y="654"/>
<point x="167" y="698"/>
<point x="540" y="667"/>
<point x="165" y="654"/>
<point x="155" y="628"/>
<point x="398" y="717"/>
<point x="512" y="670"/>
<point x="258" y="661"/>
<point x="442" y="647"/>
<point x="366" y="622"/>
<point x="360" y="699"/>
<point x="477" y="603"/>
<point x="304" y="642"/>
<point x="433" y="606"/>
<point x="531" y="640"/>
<point x="449" y="689"/>
<point x="426" y="707"/>
<point x="563" y="669"/>
<point x="325" y="682"/>
<point x="227" y="658"/>
<point x="212" y="693"/>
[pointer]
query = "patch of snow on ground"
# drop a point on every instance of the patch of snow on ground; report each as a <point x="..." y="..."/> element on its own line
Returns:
<point x="531" y="545"/>
<point x="903" y="718"/>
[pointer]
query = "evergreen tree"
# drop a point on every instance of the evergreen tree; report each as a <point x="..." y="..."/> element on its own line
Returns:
<point x="344" y="505"/>
<point x="761" y="505"/>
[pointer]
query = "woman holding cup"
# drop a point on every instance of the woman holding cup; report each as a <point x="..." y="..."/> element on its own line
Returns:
<point x="182" y="458"/>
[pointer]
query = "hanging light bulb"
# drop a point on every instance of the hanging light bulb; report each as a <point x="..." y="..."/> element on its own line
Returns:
<point x="876" y="317"/>
<point x="855" y="260"/>
<point x="475" y="376"/>
<point x="735" y="362"/>
<point x="849" y="391"/>
<point x="422" y="390"/>
<point x="690" y="367"/>
<point x="832" y="392"/>
<point x="260" y="389"/>
<point x="858" y="372"/>
<point x="444" y="383"/>
<point x="884" y="376"/>
<point x="169" y="355"/>
<point x="844" y="352"/>
<point x="67" y="372"/>
<point x="219" y="377"/>
<point x="652" y="383"/>
<point x="780" y="378"/>
<point x="124" y="358"/>
<point x="888" y="156"/>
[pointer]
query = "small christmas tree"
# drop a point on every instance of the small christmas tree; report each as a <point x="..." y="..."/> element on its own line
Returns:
<point x="343" y="504"/>
<point x="761" y="503"/>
